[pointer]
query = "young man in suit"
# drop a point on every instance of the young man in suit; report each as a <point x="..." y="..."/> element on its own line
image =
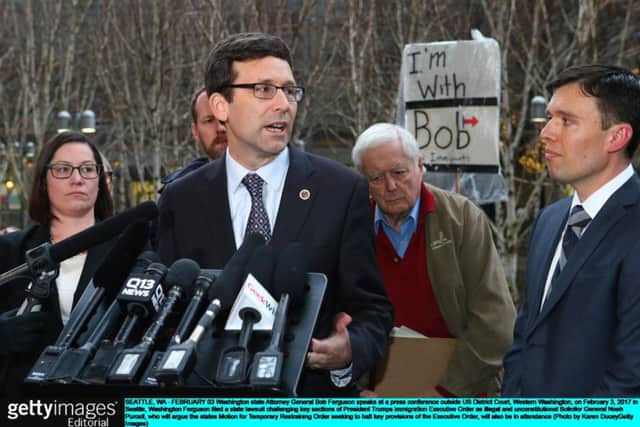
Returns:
<point x="578" y="329"/>
<point x="296" y="196"/>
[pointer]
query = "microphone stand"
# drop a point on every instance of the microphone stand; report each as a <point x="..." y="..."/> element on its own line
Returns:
<point x="42" y="271"/>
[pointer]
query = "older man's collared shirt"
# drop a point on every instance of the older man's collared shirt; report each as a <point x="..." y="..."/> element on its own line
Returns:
<point x="400" y="240"/>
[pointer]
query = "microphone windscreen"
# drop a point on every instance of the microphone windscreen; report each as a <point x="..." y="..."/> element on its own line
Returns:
<point x="115" y="267"/>
<point x="261" y="265"/>
<point x="144" y="260"/>
<point x="182" y="273"/>
<point x="232" y="275"/>
<point x="102" y="231"/>
<point x="290" y="273"/>
<point x="206" y="278"/>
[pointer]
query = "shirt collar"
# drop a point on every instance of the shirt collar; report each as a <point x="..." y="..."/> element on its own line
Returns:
<point x="273" y="173"/>
<point x="596" y="201"/>
<point x="379" y="218"/>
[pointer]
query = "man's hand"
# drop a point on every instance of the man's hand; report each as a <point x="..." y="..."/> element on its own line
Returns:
<point x="333" y="352"/>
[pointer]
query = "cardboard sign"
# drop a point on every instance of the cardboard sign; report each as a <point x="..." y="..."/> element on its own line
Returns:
<point x="413" y="364"/>
<point x="451" y="92"/>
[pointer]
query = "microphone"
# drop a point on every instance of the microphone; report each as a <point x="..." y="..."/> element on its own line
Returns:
<point x="235" y="267"/>
<point x="109" y="276"/>
<point x="127" y="366"/>
<point x="113" y="313"/>
<point x="141" y="296"/>
<point x="104" y="284"/>
<point x="234" y="361"/>
<point x="174" y="367"/>
<point x="102" y="231"/>
<point x="79" y="242"/>
<point x="179" y="359"/>
<point x="72" y="361"/>
<point x="202" y="284"/>
<point x="289" y="281"/>
<point x="43" y="260"/>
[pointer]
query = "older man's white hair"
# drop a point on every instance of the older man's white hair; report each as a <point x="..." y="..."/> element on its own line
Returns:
<point x="382" y="133"/>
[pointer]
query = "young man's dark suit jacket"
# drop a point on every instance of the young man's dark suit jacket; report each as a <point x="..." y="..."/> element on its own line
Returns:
<point x="13" y="369"/>
<point x="333" y="225"/>
<point x="586" y="340"/>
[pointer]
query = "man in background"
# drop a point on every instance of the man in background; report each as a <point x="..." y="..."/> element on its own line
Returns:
<point x="208" y="133"/>
<point x="438" y="261"/>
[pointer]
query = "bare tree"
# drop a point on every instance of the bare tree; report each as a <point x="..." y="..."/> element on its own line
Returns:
<point x="142" y="71"/>
<point x="41" y="68"/>
<point x="537" y="42"/>
<point x="142" y="59"/>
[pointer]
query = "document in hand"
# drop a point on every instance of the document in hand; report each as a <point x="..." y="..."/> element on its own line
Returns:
<point x="414" y="363"/>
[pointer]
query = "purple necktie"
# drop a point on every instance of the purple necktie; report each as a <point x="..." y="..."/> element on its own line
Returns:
<point x="258" y="220"/>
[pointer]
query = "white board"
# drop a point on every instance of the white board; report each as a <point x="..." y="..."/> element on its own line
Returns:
<point x="451" y="92"/>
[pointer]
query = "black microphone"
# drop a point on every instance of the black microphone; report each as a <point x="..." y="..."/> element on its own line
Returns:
<point x="106" y="281"/>
<point x="289" y="280"/>
<point x="114" y="312"/>
<point x="72" y="361"/>
<point x="102" y="231"/>
<point x="234" y="361"/>
<point x="141" y="296"/>
<point x="202" y="284"/>
<point x="128" y="365"/>
<point x="231" y="278"/>
<point x="109" y="276"/>
<point x="179" y="359"/>
<point x="235" y="268"/>
<point x="45" y="257"/>
<point x="42" y="262"/>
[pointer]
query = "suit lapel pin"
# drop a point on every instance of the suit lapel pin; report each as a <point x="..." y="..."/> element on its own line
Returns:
<point x="304" y="194"/>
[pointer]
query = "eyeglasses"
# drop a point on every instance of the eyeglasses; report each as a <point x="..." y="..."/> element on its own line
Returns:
<point x="268" y="91"/>
<point x="65" y="170"/>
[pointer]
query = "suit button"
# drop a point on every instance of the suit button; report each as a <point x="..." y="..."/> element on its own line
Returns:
<point x="396" y="260"/>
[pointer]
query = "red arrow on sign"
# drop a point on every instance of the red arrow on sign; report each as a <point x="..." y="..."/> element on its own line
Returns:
<point x="472" y="121"/>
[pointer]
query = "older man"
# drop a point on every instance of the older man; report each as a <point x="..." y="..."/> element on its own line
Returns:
<point x="438" y="261"/>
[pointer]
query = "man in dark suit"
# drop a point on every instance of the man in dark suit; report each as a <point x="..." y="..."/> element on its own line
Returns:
<point x="264" y="184"/>
<point x="578" y="329"/>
